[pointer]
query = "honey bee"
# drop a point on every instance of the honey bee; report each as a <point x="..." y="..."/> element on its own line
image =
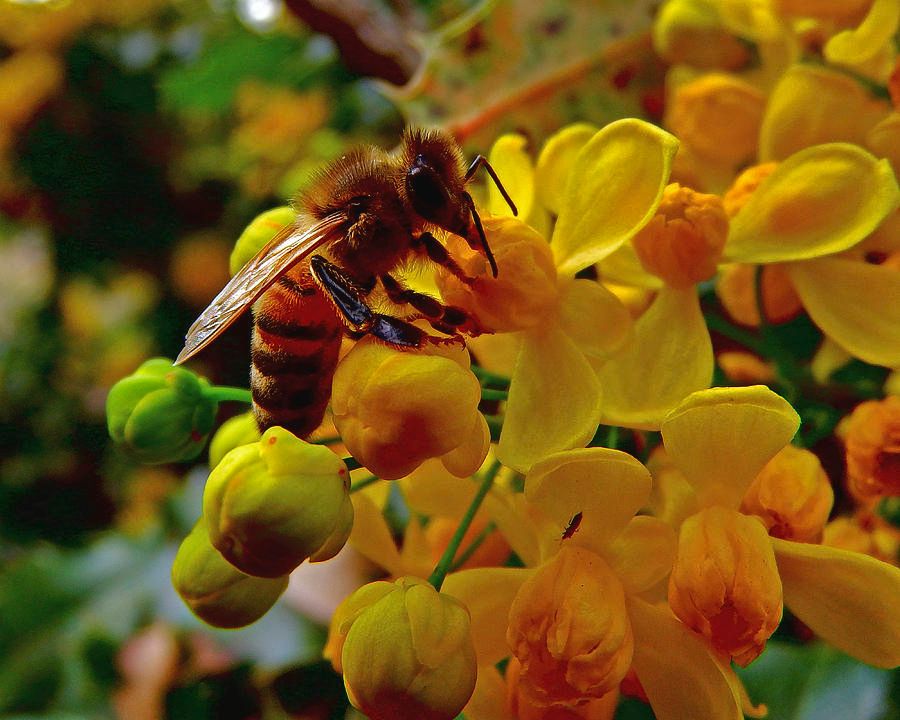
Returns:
<point x="363" y="217"/>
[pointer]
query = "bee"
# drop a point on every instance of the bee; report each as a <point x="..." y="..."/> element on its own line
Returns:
<point x="363" y="217"/>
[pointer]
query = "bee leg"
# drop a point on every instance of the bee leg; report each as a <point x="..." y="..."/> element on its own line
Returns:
<point x="438" y="254"/>
<point x="348" y="299"/>
<point x="447" y="319"/>
<point x="481" y="160"/>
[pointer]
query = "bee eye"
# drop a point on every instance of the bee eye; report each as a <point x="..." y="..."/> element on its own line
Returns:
<point x="426" y="191"/>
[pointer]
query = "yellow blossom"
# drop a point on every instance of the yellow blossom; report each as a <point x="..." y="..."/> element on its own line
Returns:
<point x="691" y="32"/>
<point x="396" y="409"/>
<point x="720" y="440"/>
<point x="612" y="182"/>
<point x="592" y="583"/>
<point x="405" y="651"/>
<point x="736" y="289"/>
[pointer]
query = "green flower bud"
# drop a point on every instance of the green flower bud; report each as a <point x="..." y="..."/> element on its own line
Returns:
<point x="216" y="591"/>
<point x="257" y="234"/>
<point x="234" y="432"/>
<point x="160" y="413"/>
<point x="272" y="504"/>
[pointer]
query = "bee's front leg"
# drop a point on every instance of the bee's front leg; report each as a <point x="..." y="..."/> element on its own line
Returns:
<point x="447" y="319"/>
<point x="360" y="318"/>
<point x="438" y="254"/>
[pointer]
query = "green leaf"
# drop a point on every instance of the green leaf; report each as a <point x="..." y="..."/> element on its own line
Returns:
<point x="815" y="681"/>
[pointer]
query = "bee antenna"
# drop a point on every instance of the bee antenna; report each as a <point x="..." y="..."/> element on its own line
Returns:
<point x="481" y="160"/>
<point x="478" y="226"/>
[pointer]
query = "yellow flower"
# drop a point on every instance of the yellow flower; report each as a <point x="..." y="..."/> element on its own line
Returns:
<point x="405" y="651"/>
<point x="396" y="409"/>
<point x="234" y="432"/>
<point x="274" y="503"/>
<point x="720" y="439"/>
<point x="604" y="186"/>
<point x="691" y="32"/>
<point x="592" y="583"/>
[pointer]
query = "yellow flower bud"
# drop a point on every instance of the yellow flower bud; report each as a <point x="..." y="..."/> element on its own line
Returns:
<point x="864" y="533"/>
<point x="792" y="495"/>
<point x="873" y="448"/>
<point x="744" y="186"/>
<point x="395" y="409"/>
<point x="690" y="32"/>
<point x="405" y="650"/>
<point x="743" y="368"/>
<point x="884" y="140"/>
<point x="736" y="290"/>
<point x="718" y="116"/>
<point x="725" y="583"/>
<point x="493" y="550"/>
<point x="272" y="504"/>
<point x="525" y="288"/>
<point x="216" y="591"/>
<point x="569" y="628"/>
<point x="255" y="236"/>
<point x="683" y="242"/>
<point x="234" y="432"/>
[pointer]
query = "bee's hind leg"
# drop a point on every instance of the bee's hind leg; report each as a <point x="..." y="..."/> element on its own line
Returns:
<point x="361" y="319"/>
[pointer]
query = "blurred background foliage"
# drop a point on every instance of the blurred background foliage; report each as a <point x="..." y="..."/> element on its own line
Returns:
<point x="137" y="139"/>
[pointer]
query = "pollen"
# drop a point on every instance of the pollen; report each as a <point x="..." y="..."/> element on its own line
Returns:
<point x="683" y="242"/>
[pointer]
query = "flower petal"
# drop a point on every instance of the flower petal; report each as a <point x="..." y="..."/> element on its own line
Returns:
<point x="510" y="513"/>
<point x="514" y="168"/>
<point x="554" y="400"/>
<point x="721" y="438"/>
<point x="488" y="594"/>
<point x="555" y="162"/>
<point x="613" y="189"/>
<point x="811" y="105"/>
<point x="643" y="553"/>
<point x="624" y="266"/>
<point x="855" y="303"/>
<point x="669" y="357"/>
<point x="847" y="598"/>
<point x="488" y="701"/>
<point x="819" y="201"/>
<point x="371" y="536"/>
<point x="496" y="352"/>
<point x="605" y="487"/>
<point x="594" y="318"/>
<point x="856" y="46"/>
<point x="430" y="490"/>
<point x="677" y="669"/>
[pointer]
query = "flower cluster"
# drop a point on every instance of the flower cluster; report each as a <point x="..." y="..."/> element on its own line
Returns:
<point x="599" y="505"/>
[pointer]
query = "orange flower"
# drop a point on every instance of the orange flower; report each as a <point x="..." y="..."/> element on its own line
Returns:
<point x="873" y="448"/>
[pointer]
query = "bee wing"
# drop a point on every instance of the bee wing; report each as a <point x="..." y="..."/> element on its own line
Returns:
<point x="282" y="252"/>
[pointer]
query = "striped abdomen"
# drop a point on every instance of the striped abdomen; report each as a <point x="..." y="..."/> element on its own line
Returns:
<point x="294" y="352"/>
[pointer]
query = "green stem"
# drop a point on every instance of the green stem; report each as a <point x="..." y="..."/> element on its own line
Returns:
<point x="495" y="424"/>
<point x="473" y="546"/>
<point x="352" y="463"/>
<point x="365" y="482"/>
<point x="486" y="377"/>
<point x="488" y="394"/>
<point x="726" y="329"/>
<point x="444" y="564"/>
<point x="612" y="437"/>
<point x="330" y="440"/>
<point x="220" y="393"/>
<point x="785" y="365"/>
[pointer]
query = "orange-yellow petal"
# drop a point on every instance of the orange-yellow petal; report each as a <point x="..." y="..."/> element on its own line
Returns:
<point x="643" y="553"/>
<point x="594" y="318"/>
<point x="613" y="189"/>
<point x="605" y="487"/>
<point x="677" y="669"/>
<point x="371" y="536"/>
<point x="820" y="201"/>
<point x="430" y="489"/>
<point x="488" y="593"/>
<point x="847" y="598"/>
<point x="856" y="304"/>
<point x="554" y="400"/>
<point x="488" y="701"/>
<point x="812" y="105"/>
<point x="556" y="160"/>
<point x="856" y="46"/>
<point x="513" y="166"/>
<point x="669" y="357"/>
<point x="722" y="437"/>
